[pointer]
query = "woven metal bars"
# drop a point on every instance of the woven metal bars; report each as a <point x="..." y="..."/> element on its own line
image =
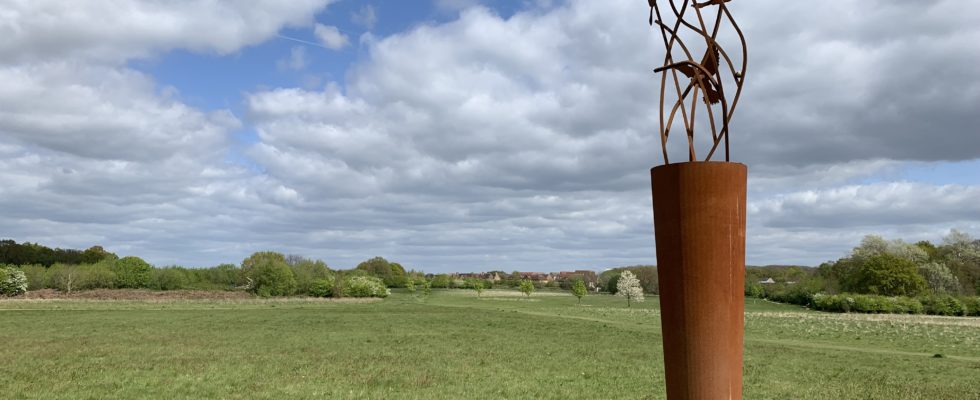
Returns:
<point x="697" y="81"/>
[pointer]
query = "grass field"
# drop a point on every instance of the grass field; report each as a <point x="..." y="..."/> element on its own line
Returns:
<point x="454" y="345"/>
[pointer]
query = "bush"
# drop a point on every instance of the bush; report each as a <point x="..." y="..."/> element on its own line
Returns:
<point x="13" y="282"/>
<point x="306" y="272"/>
<point x="365" y="286"/>
<point x="798" y="294"/>
<point x="754" y="289"/>
<point x="224" y="276"/>
<point x="440" y="281"/>
<point x="95" y="276"/>
<point x="832" y="303"/>
<point x="943" y="305"/>
<point x="67" y="278"/>
<point x="268" y="274"/>
<point x="35" y="275"/>
<point x="909" y="305"/>
<point x="272" y="278"/>
<point x="172" y="278"/>
<point x="132" y="272"/>
<point x="321" y="287"/>
<point x="870" y="304"/>
<point x="971" y="306"/>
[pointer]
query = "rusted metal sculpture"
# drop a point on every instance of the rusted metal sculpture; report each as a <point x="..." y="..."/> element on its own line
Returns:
<point x="699" y="208"/>
<point x="704" y="79"/>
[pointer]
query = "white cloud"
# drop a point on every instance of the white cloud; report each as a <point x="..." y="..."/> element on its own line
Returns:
<point x="365" y="17"/>
<point x="546" y="105"/>
<point x="870" y="205"/>
<point x="120" y="30"/>
<point x="330" y="36"/>
<point x="485" y="142"/>
<point x="104" y="113"/>
<point x="95" y="152"/>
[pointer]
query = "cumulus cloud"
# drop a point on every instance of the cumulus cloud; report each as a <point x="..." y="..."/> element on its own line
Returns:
<point x="519" y="142"/>
<point x="330" y="36"/>
<point x="104" y="113"/>
<point x="549" y="104"/>
<point x="859" y="80"/>
<point x="120" y="30"/>
<point x="95" y="152"/>
<point x="870" y="205"/>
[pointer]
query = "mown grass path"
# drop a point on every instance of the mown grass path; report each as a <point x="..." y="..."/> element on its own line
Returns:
<point x="454" y="345"/>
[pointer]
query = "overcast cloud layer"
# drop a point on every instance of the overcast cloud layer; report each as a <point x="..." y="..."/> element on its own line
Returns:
<point x="481" y="143"/>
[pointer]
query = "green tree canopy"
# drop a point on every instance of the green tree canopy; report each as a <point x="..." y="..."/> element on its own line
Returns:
<point x="132" y="272"/>
<point x="579" y="290"/>
<point x="269" y="274"/>
<point x="527" y="287"/>
<point x="888" y="275"/>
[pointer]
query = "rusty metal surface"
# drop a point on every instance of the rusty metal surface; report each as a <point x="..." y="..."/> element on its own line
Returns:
<point x="699" y="222"/>
<point x="697" y="75"/>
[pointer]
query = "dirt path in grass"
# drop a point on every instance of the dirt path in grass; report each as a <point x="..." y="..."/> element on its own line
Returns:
<point x="825" y="346"/>
<point x="787" y="343"/>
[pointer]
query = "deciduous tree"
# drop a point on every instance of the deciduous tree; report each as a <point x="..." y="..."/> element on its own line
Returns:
<point x="527" y="287"/>
<point x="579" y="290"/>
<point x="629" y="287"/>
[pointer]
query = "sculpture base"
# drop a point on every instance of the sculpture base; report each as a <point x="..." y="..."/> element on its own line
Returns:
<point x="699" y="222"/>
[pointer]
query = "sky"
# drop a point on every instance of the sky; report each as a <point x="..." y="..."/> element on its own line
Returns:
<point x="455" y="135"/>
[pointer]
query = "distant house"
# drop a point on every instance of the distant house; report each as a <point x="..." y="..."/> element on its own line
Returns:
<point x="542" y="277"/>
<point x="767" y="281"/>
<point x="589" y="277"/>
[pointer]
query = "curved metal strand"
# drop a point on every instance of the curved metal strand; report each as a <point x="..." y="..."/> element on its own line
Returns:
<point x="668" y="58"/>
<point x="705" y="76"/>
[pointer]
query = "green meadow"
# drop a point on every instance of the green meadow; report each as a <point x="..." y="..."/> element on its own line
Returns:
<point x="455" y="345"/>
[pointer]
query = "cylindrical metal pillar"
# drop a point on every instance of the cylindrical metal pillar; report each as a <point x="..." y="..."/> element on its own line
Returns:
<point x="699" y="223"/>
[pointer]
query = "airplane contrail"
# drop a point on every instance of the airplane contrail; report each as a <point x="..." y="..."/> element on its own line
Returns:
<point x="303" y="41"/>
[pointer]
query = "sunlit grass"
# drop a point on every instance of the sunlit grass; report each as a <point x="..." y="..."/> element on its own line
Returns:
<point x="453" y="345"/>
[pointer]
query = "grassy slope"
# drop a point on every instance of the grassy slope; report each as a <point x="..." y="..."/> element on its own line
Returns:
<point x="453" y="346"/>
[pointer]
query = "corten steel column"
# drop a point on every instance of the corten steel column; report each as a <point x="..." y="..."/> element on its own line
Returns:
<point x="699" y="222"/>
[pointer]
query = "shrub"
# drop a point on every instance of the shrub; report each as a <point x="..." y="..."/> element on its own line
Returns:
<point x="909" y="305"/>
<point x="322" y="287"/>
<point x="754" y="289"/>
<point x="13" y="282"/>
<point x="870" y="304"/>
<point x="272" y="278"/>
<point x="35" y="275"/>
<point x="172" y="278"/>
<point x="971" y="306"/>
<point x="67" y="278"/>
<point x="224" y="275"/>
<point x="365" y="286"/>
<point x="612" y="285"/>
<point x="527" y="287"/>
<point x="131" y="272"/>
<point x="306" y="272"/>
<point x="943" y="305"/>
<point x="833" y="303"/>
<point x="268" y="274"/>
<point x="793" y="294"/>
<point x="96" y="276"/>
<point x="440" y="281"/>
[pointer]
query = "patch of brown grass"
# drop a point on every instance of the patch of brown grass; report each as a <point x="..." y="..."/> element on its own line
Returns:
<point x="138" y="294"/>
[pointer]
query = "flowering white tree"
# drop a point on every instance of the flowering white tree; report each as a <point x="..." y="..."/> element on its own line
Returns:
<point x="629" y="287"/>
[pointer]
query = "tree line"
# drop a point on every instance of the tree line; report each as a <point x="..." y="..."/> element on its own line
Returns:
<point x="881" y="275"/>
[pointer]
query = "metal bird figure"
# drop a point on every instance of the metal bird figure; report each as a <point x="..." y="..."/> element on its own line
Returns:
<point x="710" y="2"/>
<point x="706" y="77"/>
